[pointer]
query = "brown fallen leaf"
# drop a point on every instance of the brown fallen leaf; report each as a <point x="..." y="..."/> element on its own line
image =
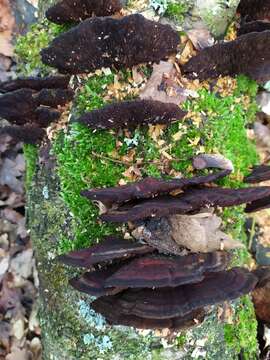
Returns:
<point x="10" y="172"/>
<point x="197" y="233"/>
<point x="7" y="23"/>
<point x="163" y="85"/>
<point x="200" y="36"/>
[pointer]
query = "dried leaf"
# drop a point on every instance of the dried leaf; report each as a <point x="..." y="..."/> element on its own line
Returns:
<point x="163" y="85"/>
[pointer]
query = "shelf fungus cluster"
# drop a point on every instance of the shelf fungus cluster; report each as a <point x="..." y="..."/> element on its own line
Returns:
<point x="66" y="11"/>
<point x="31" y="104"/>
<point x="175" y="266"/>
<point x="106" y="42"/>
<point x="138" y="285"/>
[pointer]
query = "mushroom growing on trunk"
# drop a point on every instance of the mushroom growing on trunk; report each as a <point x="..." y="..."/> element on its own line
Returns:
<point x="66" y="11"/>
<point x="107" y="42"/>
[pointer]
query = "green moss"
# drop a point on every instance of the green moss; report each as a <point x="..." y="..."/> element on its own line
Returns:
<point x="222" y="129"/>
<point x="31" y="155"/>
<point x="177" y="10"/>
<point x="28" y="47"/>
<point x="241" y="334"/>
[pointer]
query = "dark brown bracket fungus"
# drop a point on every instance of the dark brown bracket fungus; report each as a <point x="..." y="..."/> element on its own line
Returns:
<point x="23" y="106"/>
<point x="258" y="205"/>
<point x="253" y="26"/>
<point x="30" y="103"/>
<point x="110" y="249"/>
<point x="259" y="173"/>
<point x="129" y="114"/>
<point x="147" y="188"/>
<point x="164" y="271"/>
<point x="107" y="42"/>
<point x="35" y="83"/>
<point x="261" y="294"/>
<point x="190" y="201"/>
<point x="233" y="58"/>
<point x="27" y="134"/>
<point x="92" y="283"/>
<point x="66" y="11"/>
<point x="174" y="302"/>
<point x="106" y="307"/>
<point x="254" y="9"/>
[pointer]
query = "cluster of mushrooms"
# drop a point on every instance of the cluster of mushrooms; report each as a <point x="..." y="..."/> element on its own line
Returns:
<point x="176" y="264"/>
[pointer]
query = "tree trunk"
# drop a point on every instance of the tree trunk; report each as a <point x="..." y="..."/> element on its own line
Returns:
<point x="71" y="330"/>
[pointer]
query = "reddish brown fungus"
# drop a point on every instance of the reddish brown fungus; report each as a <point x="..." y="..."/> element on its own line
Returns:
<point x="23" y="106"/>
<point x="258" y="205"/>
<point x="259" y="173"/>
<point x="54" y="97"/>
<point x="92" y="283"/>
<point x="190" y="200"/>
<point x="233" y="58"/>
<point x="107" y="42"/>
<point x="164" y="271"/>
<point x="35" y="83"/>
<point x="111" y="248"/>
<point x="253" y="26"/>
<point x="106" y="307"/>
<point x="27" y="134"/>
<point x="173" y="302"/>
<point x="261" y="294"/>
<point x="77" y="10"/>
<point x="254" y="9"/>
<point x="147" y="188"/>
<point x="129" y="114"/>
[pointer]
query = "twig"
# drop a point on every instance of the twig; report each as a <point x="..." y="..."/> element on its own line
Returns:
<point x="127" y="163"/>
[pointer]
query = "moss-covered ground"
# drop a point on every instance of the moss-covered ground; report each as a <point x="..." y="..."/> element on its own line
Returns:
<point x="215" y="124"/>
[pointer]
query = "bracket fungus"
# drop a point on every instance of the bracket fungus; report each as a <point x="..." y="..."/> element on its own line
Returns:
<point x="129" y="114"/>
<point x="93" y="283"/>
<point x="227" y="58"/>
<point x="35" y="83"/>
<point x="178" y="301"/>
<point x="31" y="103"/>
<point x="66" y="11"/>
<point x="107" y="42"/>
<point x="110" y="248"/>
<point x="155" y="291"/>
<point x="27" y="134"/>
<point x="253" y="26"/>
<point x="258" y="205"/>
<point x="147" y="188"/>
<point x="164" y="271"/>
<point x="192" y="200"/>
<point x="106" y="307"/>
<point x="261" y="294"/>
<point x="254" y="9"/>
<point x="259" y="173"/>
